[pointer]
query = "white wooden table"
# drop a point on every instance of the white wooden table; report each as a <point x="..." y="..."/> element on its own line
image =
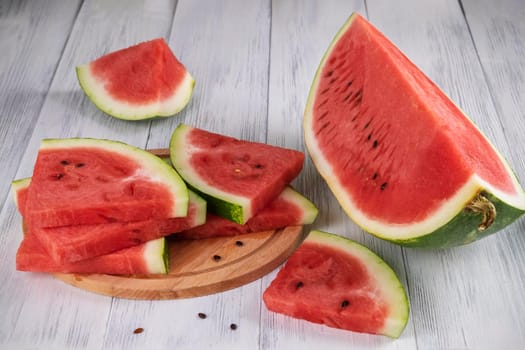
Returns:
<point x="253" y="62"/>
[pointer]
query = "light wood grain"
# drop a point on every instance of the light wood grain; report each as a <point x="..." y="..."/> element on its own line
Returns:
<point x="195" y="270"/>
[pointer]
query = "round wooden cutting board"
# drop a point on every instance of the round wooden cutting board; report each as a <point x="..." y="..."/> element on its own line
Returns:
<point x="200" y="267"/>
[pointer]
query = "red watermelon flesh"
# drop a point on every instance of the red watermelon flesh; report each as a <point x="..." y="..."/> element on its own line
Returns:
<point x="238" y="178"/>
<point x="339" y="283"/>
<point x="79" y="242"/>
<point x="159" y="81"/>
<point x="146" y="258"/>
<point x="88" y="181"/>
<point x="289" y="209"/>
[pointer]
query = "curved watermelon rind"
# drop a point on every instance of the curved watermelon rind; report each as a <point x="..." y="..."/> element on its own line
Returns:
<point x="96" y="92"/>
<point x="153" y="168"/>
<point x="443" y="229"/>
<point x="230" y="206"/>
<point x="156" y="256"/>
<point x="308" y="209"/>
<point x="392" y="289"/>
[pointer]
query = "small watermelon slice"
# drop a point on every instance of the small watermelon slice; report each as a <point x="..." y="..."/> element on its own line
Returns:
<point x="236" y="177"/>
<point x="90" y="181"/>
<point x="337" y="282"/>
<point x="139" y="82"/>
<point x="403" y="160"/>
<point x="147" y="258"/>
<point x="74" y="243"/>
<point x="290" y="208"/>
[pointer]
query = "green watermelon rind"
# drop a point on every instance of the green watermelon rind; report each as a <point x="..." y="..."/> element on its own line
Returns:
<point x="391" y="288"/>
<point x="308" y="209"/>
<point x="152" y="167"/>
<point x="443" y="229"/>
<point x="230" y="206"/>
<point x="17" y="185"/>
<point x="96" y="92"/>
<point x="156" y="256"/>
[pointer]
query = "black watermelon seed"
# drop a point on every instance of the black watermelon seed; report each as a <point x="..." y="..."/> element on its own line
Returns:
<point x="299" y="284"/>
<point x="345" y="303"/>
<point x="202" y="315"/>
<point x="329" y="74"/>
<point x="349" y="83"/>
<point x="369" y="137"/>
<point x="239" y="243"/>
<point x="258" y="166"/>
<point x="64" y="162"/>
<point x="233" y="326"/>
<point x="375" y="176"/>
<point x="383" y="185"/>
<point x="79" y="165"/>
<point x="374" y="145"/>
<point x="216" y="257"/>
<point x="59" y="176"/>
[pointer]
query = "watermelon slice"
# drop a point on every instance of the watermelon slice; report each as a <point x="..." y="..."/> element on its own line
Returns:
<point x="334" y="281"/>
<point x="90" y="181"/>
<point x="139" y="82"/>
<point x="290" y="208"/>
<point x="74" y="243"/>
<point x="147" y="258"/>
<point x="404" y="162"/>
<point x="237" y="178"/>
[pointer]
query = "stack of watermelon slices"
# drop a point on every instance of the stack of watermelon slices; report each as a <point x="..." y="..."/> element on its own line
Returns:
<point x="100" y="206"/>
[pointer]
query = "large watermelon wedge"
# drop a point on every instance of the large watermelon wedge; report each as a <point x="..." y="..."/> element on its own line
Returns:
<point x="236" y="177"/>
<point x="337" y="282"/>
<point x="91" y="181"/>
<point x="290" y="208"/>
<point x="403" y="160"/>
<point x="140" y="82"/>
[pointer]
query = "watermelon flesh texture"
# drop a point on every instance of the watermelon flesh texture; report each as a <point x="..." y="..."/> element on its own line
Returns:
<point x="290" y="208"/>
<point x="400" y="157"/>
<point x="74" y="243"/>
<point x="139" y="82"/>
<point x="337" y="282"/>
<point x="237" y="178"/>
<point x="90" y="181"/>
<point x="146" y="258"/>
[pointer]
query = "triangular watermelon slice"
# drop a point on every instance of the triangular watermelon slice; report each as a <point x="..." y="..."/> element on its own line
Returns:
<point x="334" y="281"/>
<point x="290" y="208"/>
<point x="67" y="244"/>
<point x="147" y="258"/>
<point x="139" y="82"/>
<point x="236" y="177"/>
<point x="403" y="160"/>
<point x="91" y="181"/>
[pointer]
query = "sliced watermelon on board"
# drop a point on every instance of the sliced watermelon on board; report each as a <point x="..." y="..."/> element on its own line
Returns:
<point x="337" y="282"/>
<point x="140" y="82"/>
<point x="79" y="242"/>
<point x="90" y="181"/>
<point x="147" y="258"/>
<point x="290" y="208"/>
<point x="403" y="160"/>
<point x="236" y="177"/>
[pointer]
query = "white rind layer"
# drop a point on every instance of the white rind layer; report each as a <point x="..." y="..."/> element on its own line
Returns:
<point x="388" y="286"/>
<point x="97" y="93"/>
<point x="308" y="209"/>
<point x="181" y="152"/>
<point x="443" y="214"/>
<point x="154" y="256"/>
<point x="152" y="167"/>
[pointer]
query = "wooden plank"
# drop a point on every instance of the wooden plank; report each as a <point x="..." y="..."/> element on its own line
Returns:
<point x="38" y="309"/>
<point x="27" y="30"/>
<point x="298" y="43"/>
<point x="457" y="295"/>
